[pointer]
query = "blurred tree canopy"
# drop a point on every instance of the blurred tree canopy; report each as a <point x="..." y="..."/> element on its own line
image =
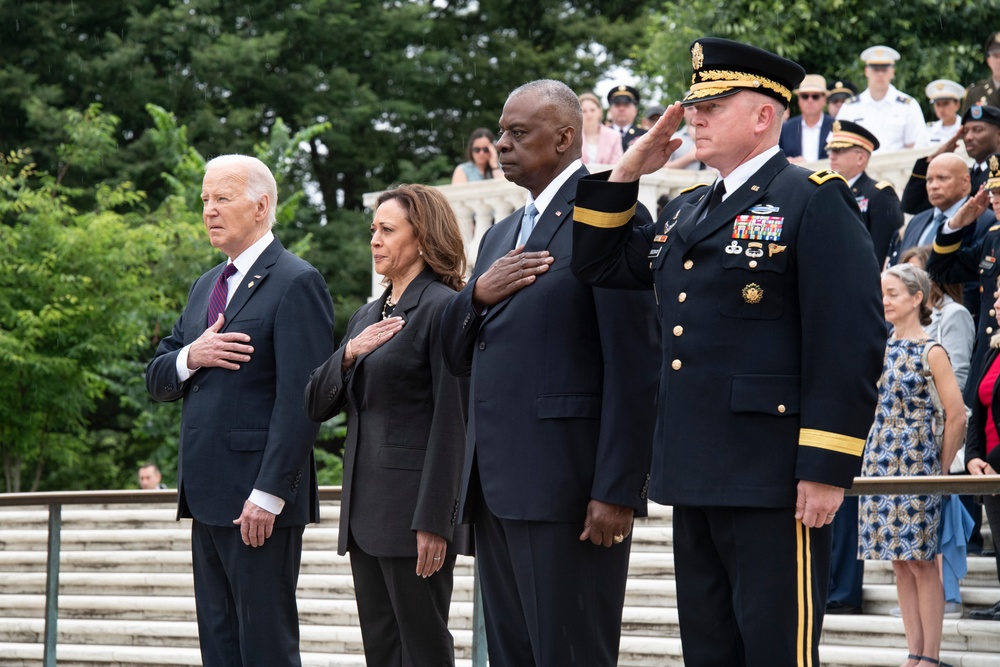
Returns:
<point x="107" y="112"/>
<point x="937" y="39"/>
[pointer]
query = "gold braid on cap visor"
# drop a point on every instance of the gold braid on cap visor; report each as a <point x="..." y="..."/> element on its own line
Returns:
<point x="714" y="82"/>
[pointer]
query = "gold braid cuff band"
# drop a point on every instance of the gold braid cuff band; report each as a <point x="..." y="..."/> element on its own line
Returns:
<point x="714" y="82"/>
<point x="601" y="219"/>
<point x="833" y="442"/>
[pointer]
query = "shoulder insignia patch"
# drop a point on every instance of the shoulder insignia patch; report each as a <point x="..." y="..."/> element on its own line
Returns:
<point x="993" y="228"/>
<point x="903" y="99"/>
<point x="824" y="175"/>
<point x="694" y="187"/>
<point x="882" y="185"/>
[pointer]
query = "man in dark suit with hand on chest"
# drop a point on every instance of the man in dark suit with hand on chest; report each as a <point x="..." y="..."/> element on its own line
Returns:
<point x="560" y="411"/>
<point x="239" y="356"/>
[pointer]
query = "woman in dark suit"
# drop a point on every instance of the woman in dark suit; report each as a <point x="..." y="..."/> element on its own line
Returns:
<point x="405" y="434"/>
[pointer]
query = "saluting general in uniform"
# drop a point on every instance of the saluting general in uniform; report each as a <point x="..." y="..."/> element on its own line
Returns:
<point x="772" y="341"/>
<point x="987" y="91"/>
<point x="850" y="147"/>
<point x="892" y="116"/>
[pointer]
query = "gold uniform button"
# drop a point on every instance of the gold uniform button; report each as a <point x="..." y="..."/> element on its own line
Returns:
<point x="781" y="409"/>
<point x="993" y="312"/>
<point x="989" y="330"/>
<point x="688" y="264"/>
<point x="753" y="263"/>
<point x="682" y="297"/>
<point x="678" y="330"/>
<point x="676" y="364"/>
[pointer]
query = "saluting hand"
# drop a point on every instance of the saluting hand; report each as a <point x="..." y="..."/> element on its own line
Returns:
<point x="652" y="150"/>
<point x="971" y="209"/>
<point x="510" y="273"/>
<point x="223" y="350"/>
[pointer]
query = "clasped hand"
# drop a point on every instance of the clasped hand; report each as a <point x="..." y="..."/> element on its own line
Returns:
<point x="606" y="524"/>
<point x="223" y="350"/>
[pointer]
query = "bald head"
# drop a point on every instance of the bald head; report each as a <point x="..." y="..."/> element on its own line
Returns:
<point x="948" y="181"/>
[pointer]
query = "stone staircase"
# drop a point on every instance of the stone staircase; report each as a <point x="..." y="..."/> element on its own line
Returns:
<point x="126" y="598"/>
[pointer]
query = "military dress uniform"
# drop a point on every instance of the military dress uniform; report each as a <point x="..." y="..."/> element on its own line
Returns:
<point x="984" y="93"/>
<point x="880" y="212"/>
<point x="772" y="341"/>
<point x="626" y="95"/>
<point x="895" y="119"/>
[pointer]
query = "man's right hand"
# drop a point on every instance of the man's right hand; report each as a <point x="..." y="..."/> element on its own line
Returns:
<point x="512" y="272"/>
<point x="224" y="350"/>
<point x="652" y="150"/>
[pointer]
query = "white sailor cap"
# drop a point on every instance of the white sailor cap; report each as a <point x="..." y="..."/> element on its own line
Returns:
<point x="944" y="89"/>
<point x="880" y="55"/>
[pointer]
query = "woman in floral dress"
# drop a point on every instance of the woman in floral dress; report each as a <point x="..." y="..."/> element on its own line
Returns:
<point x="904" y="528"/>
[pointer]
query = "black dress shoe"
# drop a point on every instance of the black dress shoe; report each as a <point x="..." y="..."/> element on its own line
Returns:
<point x="987" y="614"/>
<point x="838" y="607"/>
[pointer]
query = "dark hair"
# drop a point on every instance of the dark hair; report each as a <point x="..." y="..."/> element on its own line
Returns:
<point x="479" y="133"/>
<point x="915" y="280"/>
<point x="922" y="254"/>
<point x="435" y="227"/>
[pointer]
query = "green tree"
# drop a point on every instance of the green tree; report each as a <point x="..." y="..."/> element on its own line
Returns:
<point x="936" y="38"/>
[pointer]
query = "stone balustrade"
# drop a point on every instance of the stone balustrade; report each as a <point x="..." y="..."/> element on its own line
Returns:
<point x="479" y="204"/>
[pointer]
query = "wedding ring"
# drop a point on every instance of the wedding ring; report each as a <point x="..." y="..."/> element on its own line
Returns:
<point x="619" y="539"/>
<point x="437" y="557"/>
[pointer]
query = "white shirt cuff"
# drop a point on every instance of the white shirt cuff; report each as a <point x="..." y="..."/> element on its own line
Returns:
<point x="271" y="503"/>
<point x="948" y="229"/>
<point x="183" y="372"/>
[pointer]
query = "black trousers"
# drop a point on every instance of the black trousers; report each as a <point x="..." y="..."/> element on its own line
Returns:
<point x="404" y="617"/>
<point x="751" y="586"/>
<point x="549" y="599"/>
<point x="245" y="597"/>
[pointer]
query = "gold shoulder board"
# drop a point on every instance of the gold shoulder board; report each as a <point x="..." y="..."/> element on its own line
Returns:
<point x="882" y="185"/>
<point x="993" y="228"/>
<point x="824" y="175"/>
<point x="694" y="187"/>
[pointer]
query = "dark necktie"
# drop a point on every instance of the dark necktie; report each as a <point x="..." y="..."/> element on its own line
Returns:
<point x="217" y="302"/>
<point x="932" y="229"/>
<point x="717" y="192"/>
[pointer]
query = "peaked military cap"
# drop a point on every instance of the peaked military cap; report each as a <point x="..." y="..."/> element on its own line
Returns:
<point x="723" y="67"/>
<point x="880" y="55"/>
<point x="623" y="95"/>
<point x="982" y="113"/>
<point x="841" y="90"/>
<point x="993" y="182"/>
<point x="846" y="134"/>
<point x="944" y="89"/>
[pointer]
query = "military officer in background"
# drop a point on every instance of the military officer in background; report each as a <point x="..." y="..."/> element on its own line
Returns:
<point x="946" y="96"/>
<point x="891" y="115"/>
<point x="850" y="147"/>
<point x="987" y="91"/>
<point x="772" y="341"/>
<point x="624" y="101"/>
<point x="838" y="93"/>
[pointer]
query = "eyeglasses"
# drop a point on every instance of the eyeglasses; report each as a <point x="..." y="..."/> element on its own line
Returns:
<point x="811" y="96"/>
<point x="480" y="149"/>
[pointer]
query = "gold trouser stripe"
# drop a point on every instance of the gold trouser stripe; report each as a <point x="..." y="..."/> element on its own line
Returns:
<point x="601" y="219"/>
<point x="805" y="621"/>
<point x="835" y="442"/>
<point x="946" y="249"/>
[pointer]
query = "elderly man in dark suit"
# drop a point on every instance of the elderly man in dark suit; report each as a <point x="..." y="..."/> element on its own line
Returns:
<point x="803" y="137"/>
<point x="772" y="346"/>
<point x="560" y="410"/>
<point x="239" y="356"/>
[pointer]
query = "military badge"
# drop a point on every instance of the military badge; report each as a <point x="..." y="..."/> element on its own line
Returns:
<point x="660" y="238"/>
<point x="697" y="56"/>
<point x="863" y="204"/>
<point x="976" y="112"/>
<point x="734" y="248"/>
<point x="753" y="293"/>
<point x="773" y="249"/>
<point x="755" y="249"/>
<point x="764" y="209"/>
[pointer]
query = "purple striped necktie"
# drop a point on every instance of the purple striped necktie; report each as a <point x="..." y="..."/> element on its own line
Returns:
<point x="217" y="303"/>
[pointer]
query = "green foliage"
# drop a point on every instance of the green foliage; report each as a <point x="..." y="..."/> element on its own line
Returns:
<point x="936" y="38"/>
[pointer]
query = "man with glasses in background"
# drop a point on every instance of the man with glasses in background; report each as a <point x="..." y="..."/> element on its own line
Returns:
<point x="803" y="137"/>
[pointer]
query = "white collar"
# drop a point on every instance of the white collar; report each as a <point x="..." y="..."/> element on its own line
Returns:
<point x="248" y="257"/>
<point x="735" y="180"/>
<point x="546" y="196"/>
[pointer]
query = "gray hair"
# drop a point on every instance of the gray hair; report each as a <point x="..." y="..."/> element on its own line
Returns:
<point x="558" y="95"/>
<point x="259" y="180"/>
<point x="915" y="280"/>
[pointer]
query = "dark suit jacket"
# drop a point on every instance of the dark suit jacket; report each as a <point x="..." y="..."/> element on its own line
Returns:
<point x="880" y="212"/>
<point x="248" y="428"/>
<point x="791" y="136"/>
<point x="563" y="380"/>
<point x="405" y="428"/>
<point x="768" y="374"/>
<point x="958" y="258"/>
